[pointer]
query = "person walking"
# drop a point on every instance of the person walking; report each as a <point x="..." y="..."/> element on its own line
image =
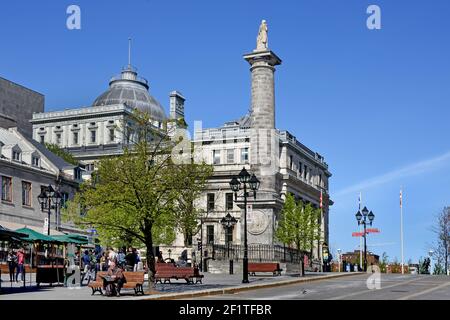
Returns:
<point x="20" y="265"/>
<point x="12" y="264"/>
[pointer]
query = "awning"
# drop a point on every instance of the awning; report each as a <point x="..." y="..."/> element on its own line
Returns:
<point x="71" y="238"/>
<point x="34" y="236"/>
<point x="8" y="235"/>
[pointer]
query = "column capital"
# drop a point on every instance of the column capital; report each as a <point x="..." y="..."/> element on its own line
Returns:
<point x="263" y="56"/>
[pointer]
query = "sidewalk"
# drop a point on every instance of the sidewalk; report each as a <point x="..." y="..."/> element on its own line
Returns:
<point x="212" y="284"/>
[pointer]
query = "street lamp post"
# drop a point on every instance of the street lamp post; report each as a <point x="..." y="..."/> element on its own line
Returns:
<point x="228" y="223"/>
<point x="52" y="199"/>
<point x="247" y="181"/>
<point x="365" y="217"/>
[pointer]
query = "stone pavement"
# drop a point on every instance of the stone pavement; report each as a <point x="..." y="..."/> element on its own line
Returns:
<point x="212" y="284"/>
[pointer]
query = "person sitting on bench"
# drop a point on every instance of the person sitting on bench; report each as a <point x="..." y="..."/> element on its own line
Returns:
<point x="114" y="280"/>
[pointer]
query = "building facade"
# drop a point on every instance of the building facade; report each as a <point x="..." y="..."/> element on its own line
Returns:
<point x="281" y="162"/>
<point x="26" y="167"/>
<point x="17" y="105"/>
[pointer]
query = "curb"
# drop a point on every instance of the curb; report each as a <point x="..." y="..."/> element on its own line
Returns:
<point x="212" y="292"/>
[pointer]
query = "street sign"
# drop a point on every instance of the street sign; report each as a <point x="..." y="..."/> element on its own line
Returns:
<point x="369" y="230"/>
<point x="46" y="227"/>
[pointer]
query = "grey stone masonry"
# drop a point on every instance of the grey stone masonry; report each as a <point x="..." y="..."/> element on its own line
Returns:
<point x="17" y="105"/>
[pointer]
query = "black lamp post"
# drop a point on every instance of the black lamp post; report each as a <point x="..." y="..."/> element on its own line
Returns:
<point x="52" y="199"/>
<point x="247" y="181"/>
<point x="228" y="223"/>
<point x="365" y="217"/>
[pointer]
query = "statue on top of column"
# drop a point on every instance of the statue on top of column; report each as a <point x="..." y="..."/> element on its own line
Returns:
<point x="262" y="40"/>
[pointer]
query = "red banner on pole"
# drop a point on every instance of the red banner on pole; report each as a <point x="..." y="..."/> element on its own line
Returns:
<point x="369" y="230"/>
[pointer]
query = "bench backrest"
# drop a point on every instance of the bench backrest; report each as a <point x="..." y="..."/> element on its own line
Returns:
<point x="134" y="276"/>
<point x="264" y="266"/>
<point x="99" y="275"/>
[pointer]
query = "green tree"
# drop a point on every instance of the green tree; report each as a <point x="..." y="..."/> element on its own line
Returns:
<point x="384" y="262"/>
<point x="66" y="156"/>
<point x="135" y="195"/>
<point x="298" y="225"/>
<point x="442" y="244"/>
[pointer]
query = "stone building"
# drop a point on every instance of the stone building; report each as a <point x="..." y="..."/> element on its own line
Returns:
<point x="26" y="167"/>
<point x="97" y="131"/>
<point x="281" y="162"/>
<point x="17" y="105"/>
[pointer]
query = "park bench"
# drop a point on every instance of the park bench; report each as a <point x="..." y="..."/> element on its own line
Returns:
<point x="264" y="267"/>
<point x="167" y="271"/>
<point x="135" y="281"/>
<point x="97" y="285"/>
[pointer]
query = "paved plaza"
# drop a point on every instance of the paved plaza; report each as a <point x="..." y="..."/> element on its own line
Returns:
<point x="211" y="282"/>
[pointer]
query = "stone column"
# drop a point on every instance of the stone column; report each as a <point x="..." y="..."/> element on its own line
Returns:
<point x="264" y="150"/>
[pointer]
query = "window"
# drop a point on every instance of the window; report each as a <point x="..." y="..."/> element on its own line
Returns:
<point x="320" y="180"/>
<point x="291" y="162"/>
<point x="6" y="189"/>
<point x="305" y="172"/>
<point x="229" y="235"/>
<point x="16" y="155"/>
<point x="26" y="194"/>
<point x="64" y="199"/>
<point x="35" y="161"/>
<point x="58" y="138"/>
<point x="42" y="138"/>
<point x="111" y="135"/>
<point x="230" y="156"/>
<point x="77" y="173"/>
<point x="75" y="138"/>
<point x="229" y="201"/>
<point x="300" y="169"/>
<point x="216" y="156"/>
<point x="244" y="155"/>
<point x="210" y="234"/>
<point x="93" y="136"/>
<point x="210" y="202"/>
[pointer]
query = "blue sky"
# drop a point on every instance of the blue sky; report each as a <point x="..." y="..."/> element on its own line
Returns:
<point x="374" y="103"/>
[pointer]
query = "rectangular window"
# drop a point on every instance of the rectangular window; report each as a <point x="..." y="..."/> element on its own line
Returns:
<point x="210" y="201"/>
<point x="26" y="193"/>
<point x="6" y="189"/>
<point x="216" y="156"/>
<point x="230" y="156"/>
<point x="16" y="156"/>
<point x="229" y="201"/>
<point x="75" y="138"/>
<point x="111" y="135"/>
<point x="93" y="136"/>
<point x="35" y="161"/>
<point x="300" y="169"/>
<point x="210" y="234"/>
<point x="305" y="172"/>
<point x="58" y="138"/>
<point x="42" y="139"/>
<point x="244" y="155"/>
<point x="229" y="235"/>
<point x="291" y="162"/>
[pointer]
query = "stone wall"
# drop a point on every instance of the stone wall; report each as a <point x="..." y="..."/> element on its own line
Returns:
<point x="17" y="105"/>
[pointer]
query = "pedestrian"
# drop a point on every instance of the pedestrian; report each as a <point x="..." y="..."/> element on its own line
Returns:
<point x="20" y="265"/>
<point x="86" y="261"/>
<point x="121" y="258"/>
<point x="12" y="264"/>
<point x="112" y="257"/>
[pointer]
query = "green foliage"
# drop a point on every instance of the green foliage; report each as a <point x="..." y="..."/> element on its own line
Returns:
<point x="141" y="196"/>
<point x="384" y="262"/>
<point x="68" y="157"/>
<point x="298" y="224"/>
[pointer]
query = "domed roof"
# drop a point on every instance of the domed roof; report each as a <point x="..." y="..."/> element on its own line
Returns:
<point x="131" y="90"/>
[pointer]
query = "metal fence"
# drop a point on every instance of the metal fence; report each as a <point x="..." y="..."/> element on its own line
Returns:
<point x="256" y="253"/>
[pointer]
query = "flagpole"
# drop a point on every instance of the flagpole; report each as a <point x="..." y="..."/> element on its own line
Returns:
<point x="401" y="227"/>
<point x="360" y="238"/>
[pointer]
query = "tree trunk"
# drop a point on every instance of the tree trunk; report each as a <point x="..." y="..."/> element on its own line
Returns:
<point x="150" y="263"/>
